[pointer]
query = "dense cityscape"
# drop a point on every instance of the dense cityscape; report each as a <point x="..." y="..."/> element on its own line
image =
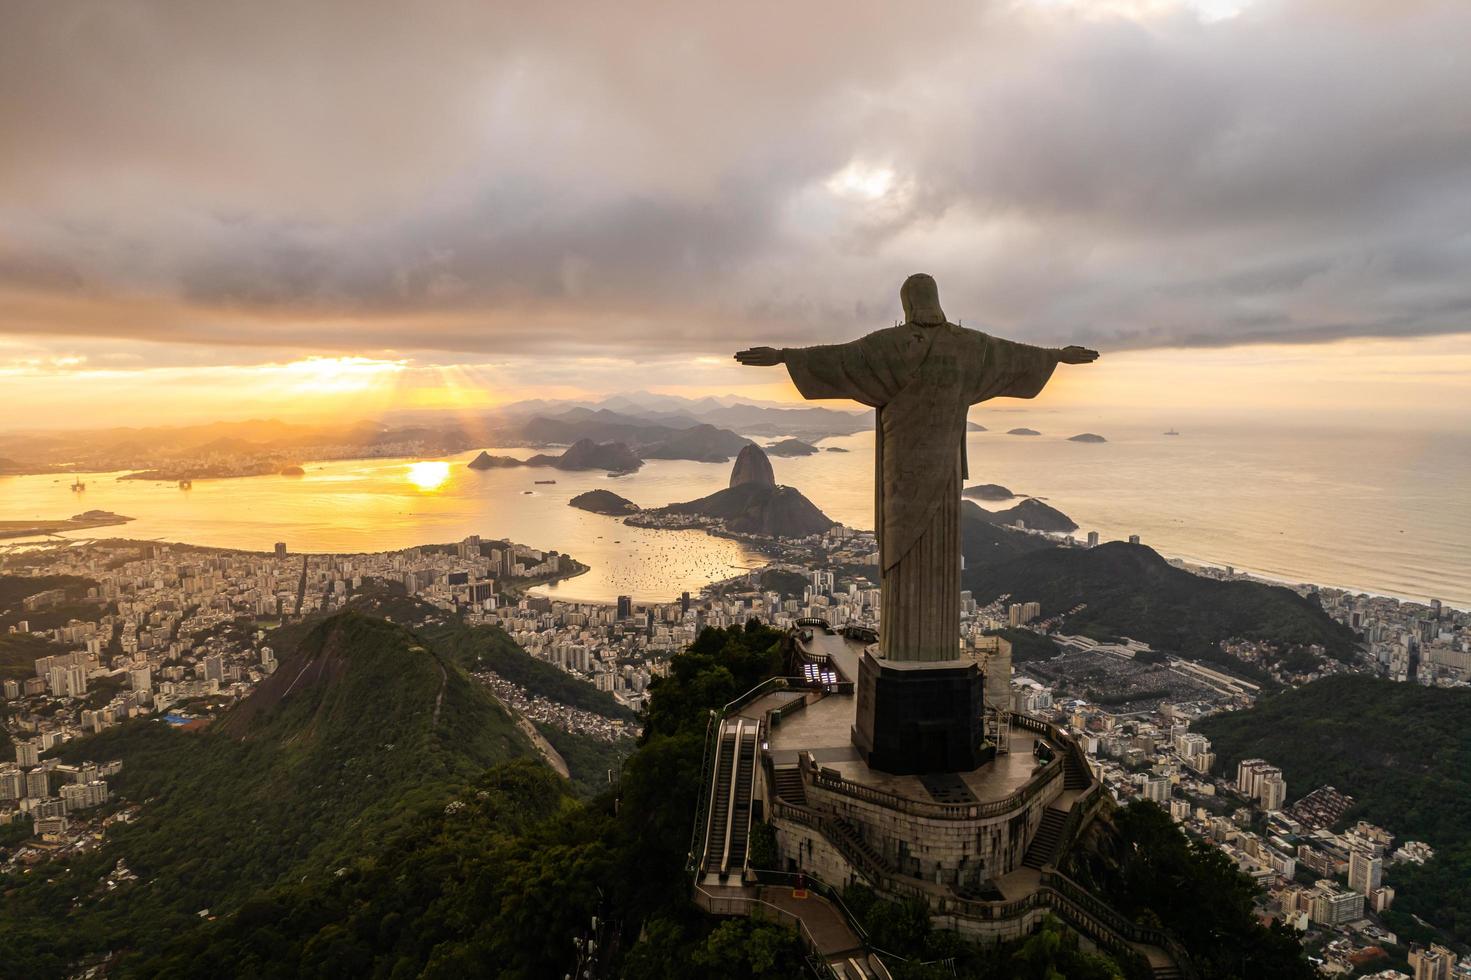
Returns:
<point x="180" y="633"/>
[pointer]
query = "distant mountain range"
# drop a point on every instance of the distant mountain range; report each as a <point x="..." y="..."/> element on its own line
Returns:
<point x="654" y="426"/>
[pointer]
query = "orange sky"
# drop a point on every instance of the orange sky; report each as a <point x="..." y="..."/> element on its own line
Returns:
<point x="1414" y="383"/>
<point x="336" y="208"/>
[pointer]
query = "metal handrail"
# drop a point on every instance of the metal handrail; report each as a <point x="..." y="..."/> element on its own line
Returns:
<point x="702" y="819"/>
<point x="820" y="965"/>
<point x="817" y="884"/>
<point x="735" y="779"/>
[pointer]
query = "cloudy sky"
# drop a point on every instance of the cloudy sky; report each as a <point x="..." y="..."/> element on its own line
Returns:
<point x="211" y="208"/>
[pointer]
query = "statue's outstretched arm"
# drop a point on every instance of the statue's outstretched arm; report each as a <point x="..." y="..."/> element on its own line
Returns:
<point x="1075" y="355"/>
<point x="760" y="356"/>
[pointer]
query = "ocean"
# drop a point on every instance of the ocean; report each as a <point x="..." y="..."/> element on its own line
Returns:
<point x="1381" y="512"/>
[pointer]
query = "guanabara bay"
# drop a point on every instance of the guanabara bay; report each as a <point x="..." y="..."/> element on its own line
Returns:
<point x="486" y="490"/>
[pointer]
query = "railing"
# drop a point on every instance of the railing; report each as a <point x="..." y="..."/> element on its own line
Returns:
<point x="765" y="687"/>
<point x="1113" y="921"/>
<point x="712" y="743"/>
<point x="707" y="777"/>
<point x="741" y="905"/>
<point x="1078" y="813"/>
<point x="834" y="897"/>
<point x="779" y="714"/>
<point x="1039" y="781"/>
<point x="1079" y="907"/>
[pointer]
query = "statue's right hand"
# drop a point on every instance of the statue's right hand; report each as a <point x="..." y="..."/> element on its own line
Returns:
<point x="760" y="356"/>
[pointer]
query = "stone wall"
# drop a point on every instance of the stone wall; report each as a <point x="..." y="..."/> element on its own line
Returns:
<point x="944" y="851"/>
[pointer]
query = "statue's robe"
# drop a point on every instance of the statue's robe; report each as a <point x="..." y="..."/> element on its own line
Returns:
<point x="922" y="379"/>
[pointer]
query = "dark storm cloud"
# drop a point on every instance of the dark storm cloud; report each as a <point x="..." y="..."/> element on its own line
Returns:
<point x="472" y="177"/>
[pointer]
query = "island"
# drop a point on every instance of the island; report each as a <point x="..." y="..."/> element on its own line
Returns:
<point x="603" y="502"/>
<point x="1022" y="432"/>
<point x="1087" y="437"/>
<point x="77" y="522"/>
<point x="975" y="427"/>
<point x="485" y="461"/>
<point x="792" y="447"/>
<point x="987" y="491"/>
<point x="584" y="454"/>
<point x="836" y="449"/>
<point x="753" y="504"/>
<point x="292" y="471"/>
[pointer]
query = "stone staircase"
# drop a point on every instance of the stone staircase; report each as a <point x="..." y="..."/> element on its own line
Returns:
<point x="1043" y="848"/>
<point x="1075" y="772"/>
<point x="788" y="785"/>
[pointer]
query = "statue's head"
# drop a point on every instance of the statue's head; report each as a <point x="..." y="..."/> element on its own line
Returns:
<point x="921" y="299"/>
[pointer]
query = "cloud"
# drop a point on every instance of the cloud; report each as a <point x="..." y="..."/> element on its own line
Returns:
<point x="644" y="178"/>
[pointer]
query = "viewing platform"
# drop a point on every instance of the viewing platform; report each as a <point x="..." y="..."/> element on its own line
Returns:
<point x="981" y="848"/>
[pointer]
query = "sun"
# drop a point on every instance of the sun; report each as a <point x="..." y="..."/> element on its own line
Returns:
<point x="428" y="476"/>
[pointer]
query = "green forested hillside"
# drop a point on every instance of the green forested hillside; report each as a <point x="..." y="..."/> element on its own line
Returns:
<point x="1131" y="591"/>
<point x="491" y="648"/>
<point x="355" y="732"/>
<point x="19" y="653"/>
<point x="1402" y="751"/>
<point x="983" y="542"/>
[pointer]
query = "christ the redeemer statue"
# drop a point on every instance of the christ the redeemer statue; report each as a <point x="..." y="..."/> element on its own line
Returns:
<point x="922" y="376"/>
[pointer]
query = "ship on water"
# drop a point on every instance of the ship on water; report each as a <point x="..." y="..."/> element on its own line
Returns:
<point x="1172" y="432"/>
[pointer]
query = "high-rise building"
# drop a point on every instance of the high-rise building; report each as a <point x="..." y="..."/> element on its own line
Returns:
<point x="1092" y="539"/>
<point x="1272" y="792"/>
<point x="684" y="602"/>
<point x="1365" y="872"/>
<point x="1154" y="788"/>
<point x="1133" y="539"/>
<point x="280" y="549"/>
<point x="12" y="783"/>
<point x="1332" y="907"/>
<point x="214" y="668"/>
<point x="38" y="786"/>
<point x="625" y="606"/>
<point x="28" y="753"/>
<point x="1433" y="962"/>
<point x="1252" y="775"/>
<point x="140" y="678"/>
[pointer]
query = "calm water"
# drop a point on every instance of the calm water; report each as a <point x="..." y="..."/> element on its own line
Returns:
<point x="1381" y="512"/>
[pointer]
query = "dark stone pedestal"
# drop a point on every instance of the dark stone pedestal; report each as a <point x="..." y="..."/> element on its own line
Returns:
<point x="920" y="717"/>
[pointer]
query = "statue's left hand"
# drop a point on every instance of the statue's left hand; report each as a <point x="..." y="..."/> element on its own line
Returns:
<point x="1076" y="355"/>
<point x="760" y="356"/>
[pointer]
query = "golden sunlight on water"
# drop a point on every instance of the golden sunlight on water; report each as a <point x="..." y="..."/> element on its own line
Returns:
<point x="428" y="476"/>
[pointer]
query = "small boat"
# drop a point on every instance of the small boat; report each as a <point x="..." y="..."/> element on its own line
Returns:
<point x="1172" y="432"/>
<point x="527" y="492"/>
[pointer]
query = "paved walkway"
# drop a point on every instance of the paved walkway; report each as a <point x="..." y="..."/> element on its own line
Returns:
<point x="829" y="929"/>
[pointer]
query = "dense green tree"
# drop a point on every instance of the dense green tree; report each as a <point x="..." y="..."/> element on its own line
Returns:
<point x="1152" y="873"/>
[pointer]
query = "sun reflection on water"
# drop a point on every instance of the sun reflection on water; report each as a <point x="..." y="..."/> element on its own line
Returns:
<point x="428" y="476"/>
